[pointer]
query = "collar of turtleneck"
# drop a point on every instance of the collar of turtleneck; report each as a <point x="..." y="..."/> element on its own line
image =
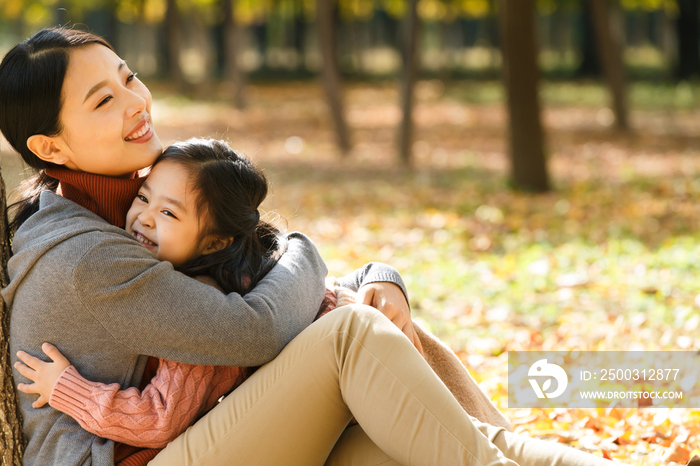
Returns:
<point x="108" y="197"/>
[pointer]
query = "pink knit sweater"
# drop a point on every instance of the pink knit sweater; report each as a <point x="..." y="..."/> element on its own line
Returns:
<point x="177" y="395"/>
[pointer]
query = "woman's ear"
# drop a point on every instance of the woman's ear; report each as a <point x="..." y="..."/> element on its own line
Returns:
<point x="46" y="149"/>
<point x="214" y="243"/>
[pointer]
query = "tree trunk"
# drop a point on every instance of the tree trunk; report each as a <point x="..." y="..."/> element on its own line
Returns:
<point x="611" y="54"/>
<point x="232" y="38"/>
<point x="11" y="436"/>
<point x="589" y="67"/>
<point x="300" y="27"/>
<point x="521" y="76"/>
<point x="331" y="73"/>
<point x="173" y="43"/>
<point x="561" y="33"/>
<point x="667" y="38"/>
<point x="62" y="16"/>
<point x="688" y="39"/>
<point x="410" y="54"/>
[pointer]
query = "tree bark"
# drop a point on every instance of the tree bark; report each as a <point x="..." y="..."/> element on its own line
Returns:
<point x="521" y="76"/>
<point x="611" y="54"/>
<point x="11" y="435"/>
<point x="688" y="28"/>
<point x="331" y="72"/>
<point x="231" y="52"/>
<point x="589" y="67"/>
<point x="410" y="54"/>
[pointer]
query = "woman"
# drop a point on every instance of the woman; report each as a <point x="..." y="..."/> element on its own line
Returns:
<point x="91" y="289"/>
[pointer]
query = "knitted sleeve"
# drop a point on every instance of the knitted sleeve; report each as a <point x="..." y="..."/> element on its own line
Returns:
<point x="371" y="273"/>
<point x="151" y="418"/>
<point x="150" y="308"/>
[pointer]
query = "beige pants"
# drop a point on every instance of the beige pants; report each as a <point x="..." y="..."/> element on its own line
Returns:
<point x="353" y="362"/>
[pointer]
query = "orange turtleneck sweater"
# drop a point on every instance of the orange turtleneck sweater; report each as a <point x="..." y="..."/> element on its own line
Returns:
<point x="110" y="198"/>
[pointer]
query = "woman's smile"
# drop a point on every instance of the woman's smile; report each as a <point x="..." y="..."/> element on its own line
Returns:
<point x="142" y="133"/>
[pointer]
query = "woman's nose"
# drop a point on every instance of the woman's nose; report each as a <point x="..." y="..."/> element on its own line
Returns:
<point x="136" y="104"/>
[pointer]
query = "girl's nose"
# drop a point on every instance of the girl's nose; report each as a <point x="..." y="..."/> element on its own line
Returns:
<point x="145" y="218"/>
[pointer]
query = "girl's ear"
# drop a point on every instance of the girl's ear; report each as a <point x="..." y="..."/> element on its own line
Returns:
<point x="214" y="243"/>
<point x="46" y="149"/>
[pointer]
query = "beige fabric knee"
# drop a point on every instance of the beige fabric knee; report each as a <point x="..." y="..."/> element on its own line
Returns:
<point x="355" y="448"/>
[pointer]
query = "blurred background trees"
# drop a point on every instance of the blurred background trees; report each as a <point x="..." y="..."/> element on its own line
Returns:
<point x="194" y="44"/>
<point x="280" y="37"/>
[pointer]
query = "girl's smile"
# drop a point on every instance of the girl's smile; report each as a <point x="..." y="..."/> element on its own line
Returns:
<point x="145" y="241"/>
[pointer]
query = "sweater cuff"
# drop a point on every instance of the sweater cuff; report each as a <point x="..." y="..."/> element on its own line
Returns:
<point x="390" y="277"/>
<point x="373" y="272"/>
<point x="386" y="273"/>
<point x="70" y="393"/>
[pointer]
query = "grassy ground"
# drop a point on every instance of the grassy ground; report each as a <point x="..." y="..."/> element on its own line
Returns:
<point x="608" y="261"/>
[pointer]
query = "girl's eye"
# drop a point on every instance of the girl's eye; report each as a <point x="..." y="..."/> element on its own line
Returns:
<point x="169" y="214"/>
<point x="104" y="101"/>
<point x="142" y="198"/>
<point x="131" y="77"/>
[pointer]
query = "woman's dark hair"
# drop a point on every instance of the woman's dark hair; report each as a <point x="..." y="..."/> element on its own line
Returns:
<point x="229" y="190"/>
<point x="31" y="79"/>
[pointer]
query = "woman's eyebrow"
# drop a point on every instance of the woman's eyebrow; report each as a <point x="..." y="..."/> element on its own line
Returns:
<point x="102" y="84"/>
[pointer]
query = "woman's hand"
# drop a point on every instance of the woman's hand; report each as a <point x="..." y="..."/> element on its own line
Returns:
<point x="43" y="374"/>
<point x="388" y="298"/>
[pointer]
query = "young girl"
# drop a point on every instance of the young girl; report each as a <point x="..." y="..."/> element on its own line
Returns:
<point x="198" y="209"/>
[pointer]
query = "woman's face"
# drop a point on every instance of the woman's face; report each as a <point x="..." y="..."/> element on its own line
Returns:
<point x="164" y="216"/>
<point x="106" y="116"/>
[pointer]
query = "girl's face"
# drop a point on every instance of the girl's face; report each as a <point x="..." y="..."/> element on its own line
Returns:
<point x="164" y="216"/>
<point x="106" y="116"/>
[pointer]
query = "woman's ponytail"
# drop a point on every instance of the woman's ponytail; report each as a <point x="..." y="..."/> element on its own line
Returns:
<point x="29" y="190"/>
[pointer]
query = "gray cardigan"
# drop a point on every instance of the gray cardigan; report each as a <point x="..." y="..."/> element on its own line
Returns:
<point x="95" y="292"/>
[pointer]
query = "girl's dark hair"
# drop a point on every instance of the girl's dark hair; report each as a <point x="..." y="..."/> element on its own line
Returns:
<point x="229" y="190"/>
<point x="31" y="79"/>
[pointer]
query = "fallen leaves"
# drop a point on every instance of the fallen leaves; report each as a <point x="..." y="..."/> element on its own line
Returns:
<point x="609" y="261"/>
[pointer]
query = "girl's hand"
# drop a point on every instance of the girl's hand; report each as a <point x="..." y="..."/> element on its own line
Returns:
<point x="43" y="374"/>
<point x="388" y="298"/>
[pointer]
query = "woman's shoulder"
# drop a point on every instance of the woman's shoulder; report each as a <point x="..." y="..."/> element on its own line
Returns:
<point x="59" y="234"/>
<point x="63" y="236"/>
<point x="59" y="219"/>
